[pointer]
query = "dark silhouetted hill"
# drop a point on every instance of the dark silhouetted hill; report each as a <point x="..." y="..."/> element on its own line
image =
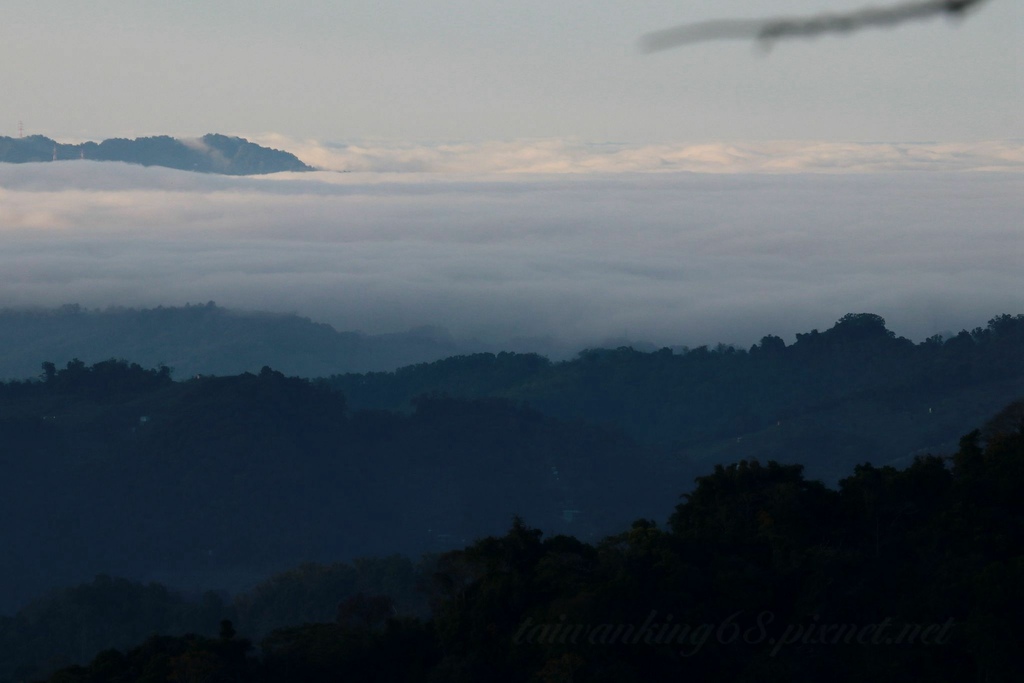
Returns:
<point x="208" y="154"/>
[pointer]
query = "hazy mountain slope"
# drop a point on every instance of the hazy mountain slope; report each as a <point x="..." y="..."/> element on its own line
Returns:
<point x="204" y="339"/>
<point x="71" y="624"/>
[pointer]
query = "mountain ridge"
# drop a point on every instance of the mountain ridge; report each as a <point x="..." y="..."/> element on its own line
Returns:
<point x="212" y="153"/>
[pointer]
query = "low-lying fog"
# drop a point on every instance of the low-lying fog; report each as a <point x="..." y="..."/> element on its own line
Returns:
<point x="580" y="255"/>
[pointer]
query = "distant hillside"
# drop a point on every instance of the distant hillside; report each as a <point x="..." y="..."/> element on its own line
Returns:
<point x="208" y="154"/>
<point x="205" y="339"/>
<point x="831" y="400"/>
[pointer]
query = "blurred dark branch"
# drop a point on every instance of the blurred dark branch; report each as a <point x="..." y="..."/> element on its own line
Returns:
<point x="768" y="30"/>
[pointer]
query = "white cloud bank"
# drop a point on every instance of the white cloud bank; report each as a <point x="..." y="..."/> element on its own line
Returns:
<point x="674" y="258"/>
<point x="561" y="156"/>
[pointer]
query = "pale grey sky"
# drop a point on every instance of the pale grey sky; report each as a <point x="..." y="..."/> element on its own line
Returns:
<point x="475" y="70"/>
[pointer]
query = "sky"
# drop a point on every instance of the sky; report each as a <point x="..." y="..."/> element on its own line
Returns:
<point x="476" y="70"/>
<point x="522" y="171"/>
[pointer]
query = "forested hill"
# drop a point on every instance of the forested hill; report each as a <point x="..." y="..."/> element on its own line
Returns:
<point x="209" y="154"/>
<point x="830" y="400"/>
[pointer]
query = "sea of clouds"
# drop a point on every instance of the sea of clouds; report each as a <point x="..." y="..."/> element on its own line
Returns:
<point x="567" y="156"/>
<point x="526" y="244"/>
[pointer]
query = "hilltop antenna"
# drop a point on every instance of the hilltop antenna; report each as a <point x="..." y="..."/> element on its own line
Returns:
<point x="21" y="130"/>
